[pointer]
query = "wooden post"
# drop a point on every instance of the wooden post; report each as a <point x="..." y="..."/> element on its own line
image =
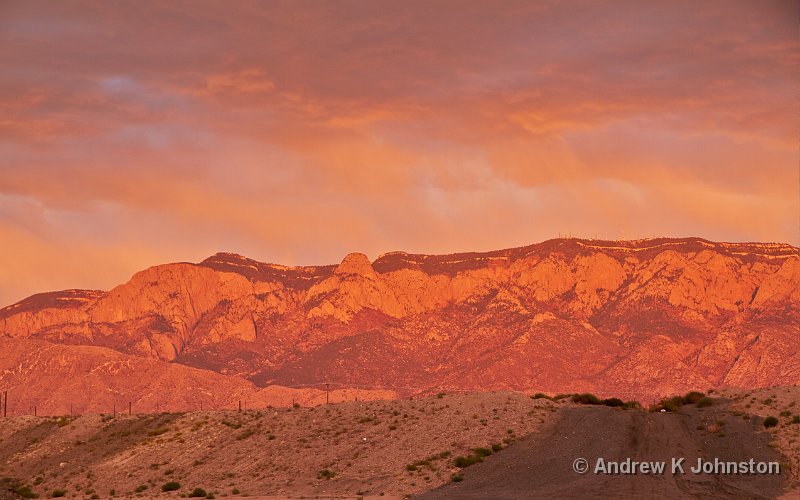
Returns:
<point x="5" y="403"/>
<point x="34" y="411"/>
<point x="327" y="393"/>
<point x="115" y="409"/>
<point x="240" y="405"/>
<point x="130" y="408"/>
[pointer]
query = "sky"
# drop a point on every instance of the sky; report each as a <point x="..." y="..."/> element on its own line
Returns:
<point x="134" y="133"/>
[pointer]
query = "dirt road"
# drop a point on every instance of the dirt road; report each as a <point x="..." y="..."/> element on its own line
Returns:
<point x="541" y="465"/>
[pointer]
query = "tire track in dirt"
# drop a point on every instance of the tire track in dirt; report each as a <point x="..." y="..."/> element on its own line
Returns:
<point x="541" y="465"/>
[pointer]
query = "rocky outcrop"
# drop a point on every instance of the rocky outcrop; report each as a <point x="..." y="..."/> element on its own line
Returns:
<point x="353" y="286"/>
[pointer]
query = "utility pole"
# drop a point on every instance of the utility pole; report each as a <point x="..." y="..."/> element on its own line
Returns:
<point x="5" y="403"/>
<point x="327" y="393"/>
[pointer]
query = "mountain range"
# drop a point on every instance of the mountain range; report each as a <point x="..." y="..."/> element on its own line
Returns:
<point x="635" y="319"/>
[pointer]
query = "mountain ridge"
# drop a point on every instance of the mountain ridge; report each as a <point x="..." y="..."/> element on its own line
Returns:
<point x="641" y="317"/>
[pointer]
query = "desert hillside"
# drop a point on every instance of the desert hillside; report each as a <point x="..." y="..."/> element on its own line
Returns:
<point x="395" y="448"/>
<point x="391" y="447"/>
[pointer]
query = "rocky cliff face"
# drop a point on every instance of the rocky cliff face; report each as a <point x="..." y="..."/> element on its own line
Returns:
<point x="641" y="317"/>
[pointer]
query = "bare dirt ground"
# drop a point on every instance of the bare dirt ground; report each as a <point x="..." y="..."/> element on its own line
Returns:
<point x="391" y="448"/>
<point x="397" y="448"/>
<point x="541" y="466"/>
<point x="783" y="403"/>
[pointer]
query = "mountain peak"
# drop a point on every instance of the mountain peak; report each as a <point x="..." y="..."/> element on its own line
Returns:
<point x="356" y="263"/>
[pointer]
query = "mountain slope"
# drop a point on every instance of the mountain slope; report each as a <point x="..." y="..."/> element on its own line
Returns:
<point x="643" y="318"/>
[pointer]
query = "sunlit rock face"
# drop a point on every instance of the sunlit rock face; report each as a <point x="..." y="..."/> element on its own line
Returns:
<point x="648" y="316"/>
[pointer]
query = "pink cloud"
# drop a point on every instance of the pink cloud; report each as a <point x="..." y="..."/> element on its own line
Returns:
<point x="298" y="133"/>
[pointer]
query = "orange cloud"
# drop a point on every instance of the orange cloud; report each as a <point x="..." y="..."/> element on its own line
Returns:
<point x="134" y="134"/>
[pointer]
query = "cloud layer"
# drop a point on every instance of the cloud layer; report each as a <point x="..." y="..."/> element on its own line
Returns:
<point x="133" y="133"/>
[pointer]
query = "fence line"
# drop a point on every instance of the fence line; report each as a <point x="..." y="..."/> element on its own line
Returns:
<point x="403" y="392"/>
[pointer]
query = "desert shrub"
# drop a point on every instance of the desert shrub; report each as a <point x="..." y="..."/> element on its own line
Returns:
<point x="158" y="432"/>
<point x="14" y="485"/>
<point x="785" y="413"/>
<point x="586" y="399"/>
<point x="244" y="435"/>
<point x="58" y="493"/>
<point x="466" y="461"/>
<point x="457" y="478"/>
<point x="770" y="422"/>
<point x="483" y="452"/>
<point x="198" y="493"/>
<point x="613" y="402"/>
<point x="540" y="395"/>
<point x="235" y="491"/>
<point x="631" y="404"/>
<point x="497" y="446"/>
<point x="693" y="397"/>
<point x="704" y="402"/>
<point x="171" y="486"/>
<point x="669" y="404"/>
<point x="440" y="395"/>
<point x="295" y="405"/>
<point x="326" y="474"/>
<point x="558" y="397"/>
<point x="141" y="488"/>
<point x="25" y="492"/>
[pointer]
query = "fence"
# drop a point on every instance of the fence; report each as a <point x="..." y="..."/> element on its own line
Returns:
<point x="28" y="406"/>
